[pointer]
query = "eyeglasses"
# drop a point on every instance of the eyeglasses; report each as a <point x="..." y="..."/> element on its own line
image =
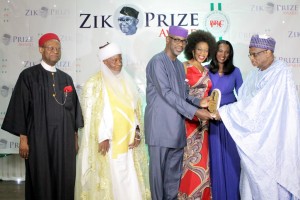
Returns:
<point x="254" y="55"/>
<point x="126" y="20"/>
<point x="178" y="41"/>
<point x="52" y="49"/>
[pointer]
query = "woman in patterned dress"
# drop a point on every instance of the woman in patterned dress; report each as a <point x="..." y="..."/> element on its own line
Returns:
<point x="195" y="180"/>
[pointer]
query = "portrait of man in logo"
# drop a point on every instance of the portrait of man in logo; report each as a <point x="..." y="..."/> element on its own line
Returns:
<point x="128" y="20"/>
<point x="6" y="39"/>
<point x="3" y="143"/>
<point x="4" y="90"/>
<point x="269" y="7"/>
<point x="44" y="12"/>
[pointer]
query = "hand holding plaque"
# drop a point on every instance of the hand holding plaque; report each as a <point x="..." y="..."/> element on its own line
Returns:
<point x="215" y="99"/>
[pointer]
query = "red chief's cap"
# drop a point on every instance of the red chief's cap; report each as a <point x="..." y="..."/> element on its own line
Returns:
<point x="46" y="37"/>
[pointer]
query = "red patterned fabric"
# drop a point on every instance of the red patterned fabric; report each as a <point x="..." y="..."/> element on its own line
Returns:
<point x="195" y="180"/>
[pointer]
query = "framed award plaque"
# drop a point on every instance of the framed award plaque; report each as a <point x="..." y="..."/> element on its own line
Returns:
<point x="215" y="100"/>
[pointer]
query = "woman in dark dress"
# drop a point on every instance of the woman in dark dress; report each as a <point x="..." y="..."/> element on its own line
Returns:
<point x="224" y="158"/>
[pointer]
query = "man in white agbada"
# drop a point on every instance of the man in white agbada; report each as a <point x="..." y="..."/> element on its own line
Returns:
<point x="265" y="125"/>
<point x="112" y="160"/>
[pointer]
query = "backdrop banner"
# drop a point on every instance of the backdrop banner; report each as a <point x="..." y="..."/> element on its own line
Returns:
<point x="139" y="27"/>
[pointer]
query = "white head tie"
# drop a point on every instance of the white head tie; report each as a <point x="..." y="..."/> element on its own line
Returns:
<point x="108" y="51"/>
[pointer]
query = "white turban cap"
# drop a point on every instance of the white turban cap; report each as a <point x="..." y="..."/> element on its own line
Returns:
<point x="108" y="51"/>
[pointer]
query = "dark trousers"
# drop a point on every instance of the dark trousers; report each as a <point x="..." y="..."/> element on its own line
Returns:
<point x="165" y="172"/>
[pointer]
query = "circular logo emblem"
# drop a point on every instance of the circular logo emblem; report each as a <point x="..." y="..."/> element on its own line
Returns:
<point x="128" y="19"/>
<point x="217" y="23"/>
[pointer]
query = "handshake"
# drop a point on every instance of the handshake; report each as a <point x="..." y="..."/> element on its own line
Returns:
<point x="212" y="103"/>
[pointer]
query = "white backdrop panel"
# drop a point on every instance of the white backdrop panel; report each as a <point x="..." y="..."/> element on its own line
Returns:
<point x="84" y="25"/>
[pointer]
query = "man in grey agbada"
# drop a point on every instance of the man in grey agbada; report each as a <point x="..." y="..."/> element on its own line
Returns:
<point x="168" y="104"/>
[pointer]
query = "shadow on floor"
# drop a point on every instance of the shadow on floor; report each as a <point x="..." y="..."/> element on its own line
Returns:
<point x="12" y="190"/>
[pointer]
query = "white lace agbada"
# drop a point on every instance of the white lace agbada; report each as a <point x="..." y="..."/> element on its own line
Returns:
<point x="265" y="124"/>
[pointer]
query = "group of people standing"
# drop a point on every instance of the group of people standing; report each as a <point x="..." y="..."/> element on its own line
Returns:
<point x="176" y="149"/>
<point x="208" y="166"/>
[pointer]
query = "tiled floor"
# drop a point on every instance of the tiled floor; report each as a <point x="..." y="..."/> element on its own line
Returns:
<point x="12" y="190"/>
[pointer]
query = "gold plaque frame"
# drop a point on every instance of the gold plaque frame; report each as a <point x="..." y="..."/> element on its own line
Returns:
<point x="215" y="100"/>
